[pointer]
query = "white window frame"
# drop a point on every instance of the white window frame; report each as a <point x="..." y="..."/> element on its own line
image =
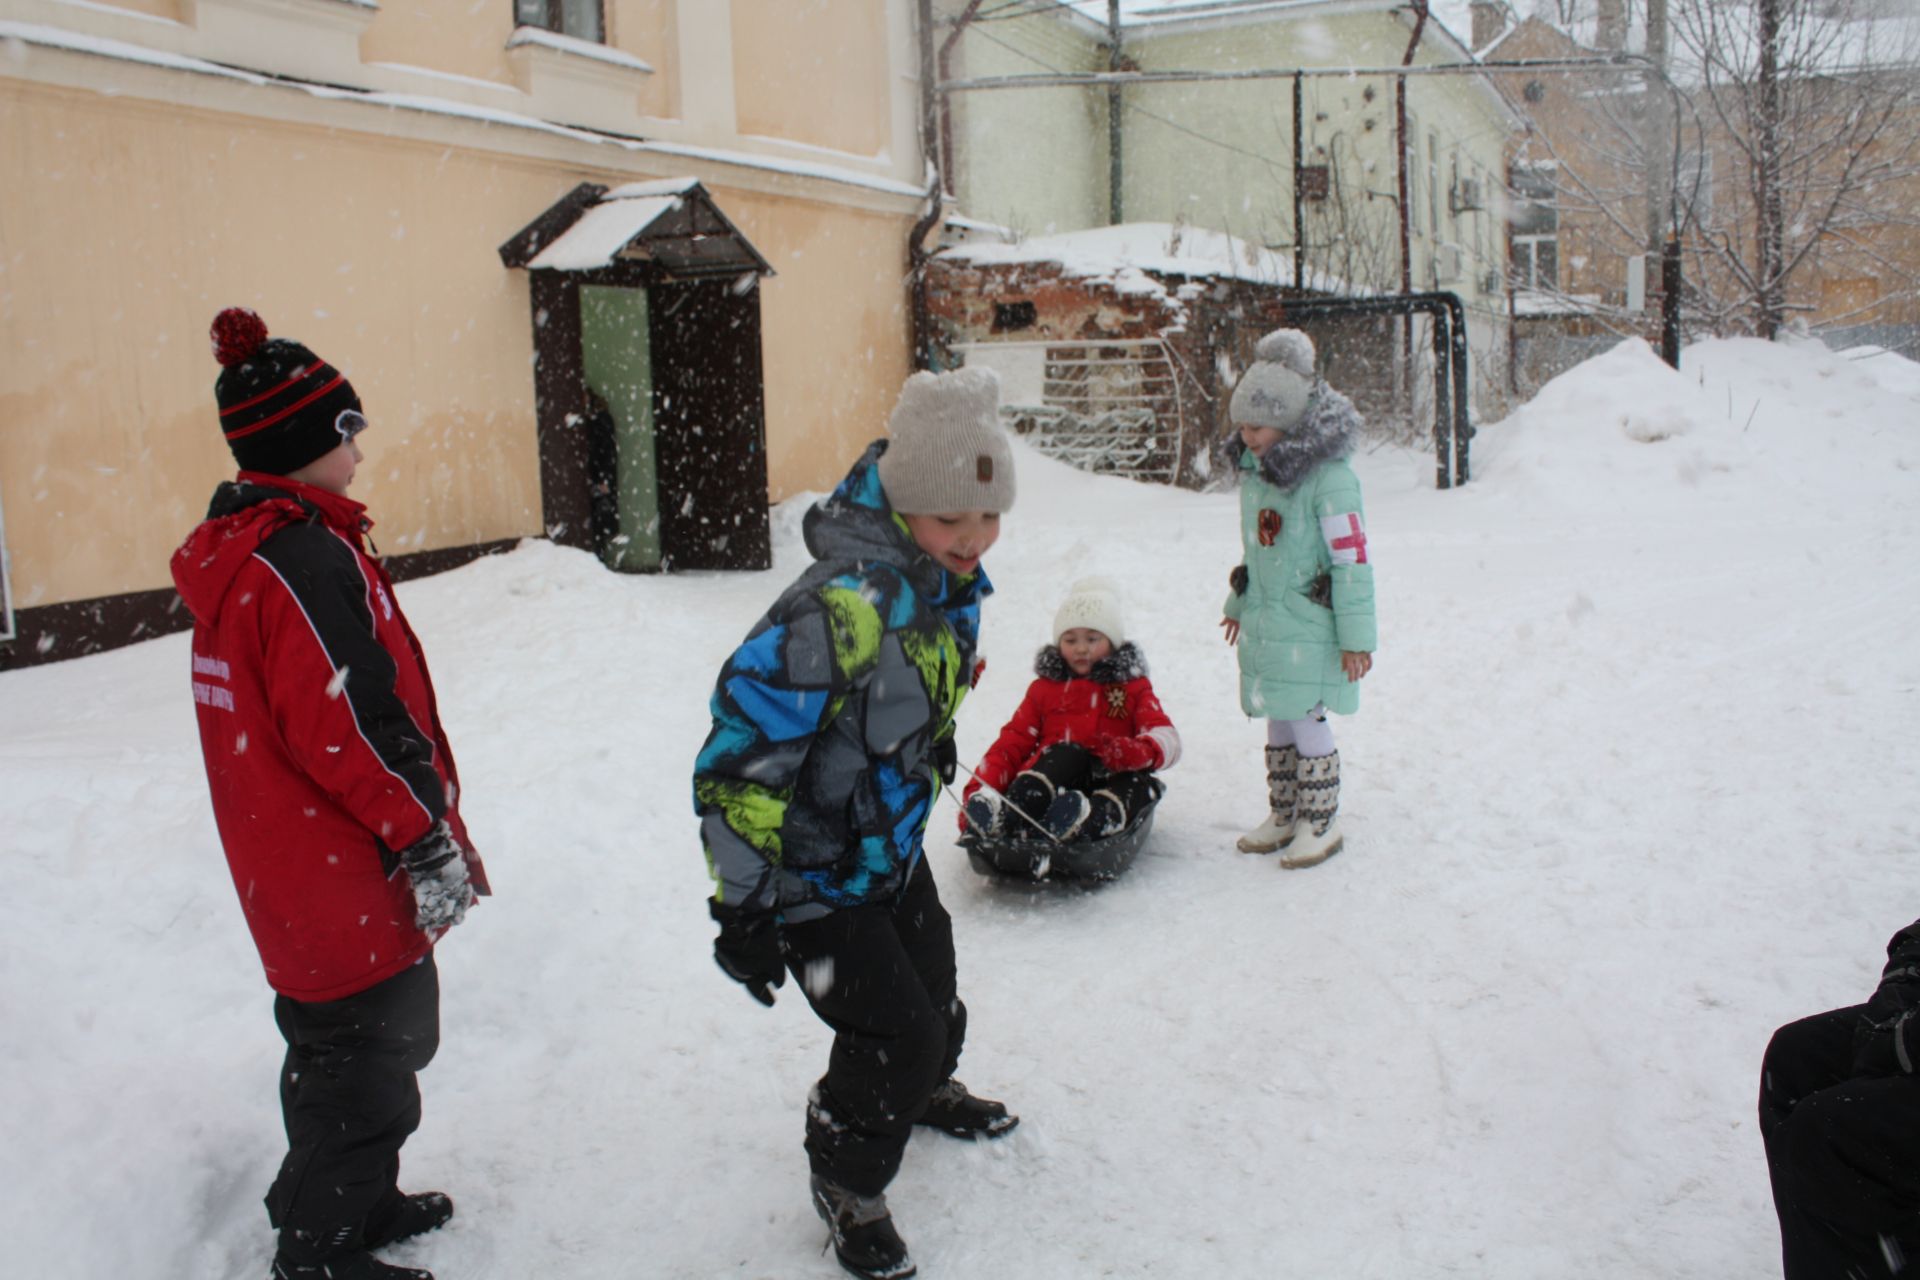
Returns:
<point x="1433" y="181"/>
<point x="1690" y="164"/>
<point x="1525" y="267"/>
<point x="1410" y="145"/>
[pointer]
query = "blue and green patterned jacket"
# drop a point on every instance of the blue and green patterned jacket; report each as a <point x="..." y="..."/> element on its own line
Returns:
<point x="814" y="787"/>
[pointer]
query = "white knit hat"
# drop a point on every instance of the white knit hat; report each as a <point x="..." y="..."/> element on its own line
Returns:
<point x="1274" y="390"/>
<point x="948" y="450"/>
<point x="1093" y="603"/>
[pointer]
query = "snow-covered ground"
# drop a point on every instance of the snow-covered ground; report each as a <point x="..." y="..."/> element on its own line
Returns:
<point x="1633" y="783"/>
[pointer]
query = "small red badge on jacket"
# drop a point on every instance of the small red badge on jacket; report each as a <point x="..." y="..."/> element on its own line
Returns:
<point x="1269" y="526"/>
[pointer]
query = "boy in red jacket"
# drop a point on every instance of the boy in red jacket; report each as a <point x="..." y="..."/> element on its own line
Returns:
<point x="1076" y="756"/>
<point x="335" y="795"/>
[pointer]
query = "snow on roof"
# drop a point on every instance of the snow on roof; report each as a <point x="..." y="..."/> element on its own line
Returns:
<point x="1454" y="15"/>
<point x="603" y="231"/>
<point x="1122" y="256"/>
<point x="1122" y="253"/>
<point x="658" y="187"/>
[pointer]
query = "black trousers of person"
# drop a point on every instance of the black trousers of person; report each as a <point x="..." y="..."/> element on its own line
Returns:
<point x="1068" y="765"/>
<point x="349" y="1097"/>
<point x="1843" y="1152"/>
<point x="882" y="976"/>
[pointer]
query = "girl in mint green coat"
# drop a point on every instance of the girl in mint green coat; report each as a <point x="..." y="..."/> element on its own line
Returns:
<point x="1301" y="608"/>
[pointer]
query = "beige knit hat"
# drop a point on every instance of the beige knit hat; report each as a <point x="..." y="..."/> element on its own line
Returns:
<point x="1274" y="390"/>
<point x="948" y="451"/>
<point x="1093" y="603"/>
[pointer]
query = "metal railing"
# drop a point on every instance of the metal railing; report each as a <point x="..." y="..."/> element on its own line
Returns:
<point x="1109" y="406"/>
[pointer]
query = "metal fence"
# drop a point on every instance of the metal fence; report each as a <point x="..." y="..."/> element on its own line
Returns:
<point x="1110" y="406"/>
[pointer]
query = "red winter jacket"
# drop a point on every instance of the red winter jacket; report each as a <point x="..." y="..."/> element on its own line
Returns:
<point x="1113" y="700"/>
<point x="323" y="744"/>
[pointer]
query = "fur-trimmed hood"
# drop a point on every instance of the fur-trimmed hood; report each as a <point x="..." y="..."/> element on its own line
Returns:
<point x="1330" y="430"/>
<point x="1125" y="663"/>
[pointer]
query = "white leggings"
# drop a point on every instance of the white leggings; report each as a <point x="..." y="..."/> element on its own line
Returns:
<point x="1311" y="736"/>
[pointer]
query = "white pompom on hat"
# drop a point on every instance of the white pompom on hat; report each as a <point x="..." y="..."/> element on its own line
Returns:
<point x="948" y="451"/>
<point x="1275" y="388"/>
<point x="1093" y="603"/>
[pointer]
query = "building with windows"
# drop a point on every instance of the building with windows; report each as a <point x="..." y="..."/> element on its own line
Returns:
<point x="681" y="224"/>
<point x="1218" y="144"/>
<point x="1614" y="161"/>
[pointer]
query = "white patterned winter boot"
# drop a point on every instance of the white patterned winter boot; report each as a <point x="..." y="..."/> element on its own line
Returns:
<point x="1317" y="811"/>
<point x="1282" y="781"/>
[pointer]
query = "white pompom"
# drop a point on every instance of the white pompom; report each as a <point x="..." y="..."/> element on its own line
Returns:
<point x="1288" y="347"/>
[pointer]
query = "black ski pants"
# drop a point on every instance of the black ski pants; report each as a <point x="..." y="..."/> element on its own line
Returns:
<point x="882" y="976"/>
<point x="350" y="1100"/>
<point x="1071" y="767"/>
<point x="1843" y="1152"/>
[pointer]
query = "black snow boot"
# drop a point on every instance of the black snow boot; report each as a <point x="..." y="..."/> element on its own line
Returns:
<point x="344" y="1266"/>
<point x="1030" y="793"/>
<point x="1109" y="817"/>
<point x="953" y="1110"/>
<point x="1067" y="815"/>
<point x="983" y="810"/>
<point x="407" y="1216"/>
<point x="863" y="1236"/>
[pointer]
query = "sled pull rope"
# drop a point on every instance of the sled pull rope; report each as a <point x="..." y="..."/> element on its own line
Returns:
<point x="1025" y="817"/>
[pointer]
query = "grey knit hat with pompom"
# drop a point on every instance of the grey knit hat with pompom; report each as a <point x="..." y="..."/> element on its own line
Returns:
<point x="1274" y="390"/>
<point x="948" y="451"/>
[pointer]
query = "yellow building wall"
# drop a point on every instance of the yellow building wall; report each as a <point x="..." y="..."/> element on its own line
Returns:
<point x="467" y="42"/>
<point x="125" y="226"/>
<point x="834" y="330"/>
<point x="813" y="71"/>
<point x="458" y="39"/>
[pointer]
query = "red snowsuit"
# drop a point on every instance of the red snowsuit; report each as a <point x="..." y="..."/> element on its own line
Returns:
<point x="1113" y="700"/>
<point x="323" y="744"/>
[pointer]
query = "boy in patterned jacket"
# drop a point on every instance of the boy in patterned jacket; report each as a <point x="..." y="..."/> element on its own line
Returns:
<point x="832" y="732"/>
<point x="335" y="795"/>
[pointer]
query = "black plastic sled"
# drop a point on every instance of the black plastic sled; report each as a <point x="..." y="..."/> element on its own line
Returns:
<point x="1028" y="856"/>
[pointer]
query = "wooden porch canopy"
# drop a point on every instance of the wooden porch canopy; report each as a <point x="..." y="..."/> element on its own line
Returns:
<point x="670" y="228"/>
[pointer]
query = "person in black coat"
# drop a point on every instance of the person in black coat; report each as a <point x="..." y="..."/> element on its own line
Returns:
<point x="1840" y="1115"/>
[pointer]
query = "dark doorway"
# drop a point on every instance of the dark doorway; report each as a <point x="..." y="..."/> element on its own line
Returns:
<point x="647" y="378"/>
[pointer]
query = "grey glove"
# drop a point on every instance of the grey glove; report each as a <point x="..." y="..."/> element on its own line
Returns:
<point x="437" y="868"/>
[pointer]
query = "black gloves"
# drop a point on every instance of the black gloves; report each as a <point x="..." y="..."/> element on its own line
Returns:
<point x="944" y="760"/>
<point x="748" y="950"/>
<point x="437" y="869"/>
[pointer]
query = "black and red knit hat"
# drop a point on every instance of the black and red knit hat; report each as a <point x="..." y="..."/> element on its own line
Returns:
<point x="281" y="406"/>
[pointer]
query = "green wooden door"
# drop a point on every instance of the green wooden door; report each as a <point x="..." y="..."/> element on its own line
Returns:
<point x="614" y="353"/>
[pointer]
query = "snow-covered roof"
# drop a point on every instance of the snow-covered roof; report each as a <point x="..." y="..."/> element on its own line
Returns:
<point x="1454" y="15"/>
<point x="1122" y="256"/>
<point x="602" y="232"/>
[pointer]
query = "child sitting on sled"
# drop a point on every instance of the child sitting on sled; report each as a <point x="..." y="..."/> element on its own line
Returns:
<point x="1078" y="756"/>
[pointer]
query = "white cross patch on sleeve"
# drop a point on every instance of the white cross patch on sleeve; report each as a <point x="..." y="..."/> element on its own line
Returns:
<point x="1346" y="537"/>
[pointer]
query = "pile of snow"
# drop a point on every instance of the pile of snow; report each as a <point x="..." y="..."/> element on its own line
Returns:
<point x="1630" y="787"/>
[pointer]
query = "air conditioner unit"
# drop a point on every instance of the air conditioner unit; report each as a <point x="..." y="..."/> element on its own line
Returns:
<point x="1467" y="196"/>
<point x="1491" y="282"/>
<point x="1446" y="263"/>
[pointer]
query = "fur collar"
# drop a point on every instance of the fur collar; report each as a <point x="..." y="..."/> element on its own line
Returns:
<point x="1123" y="664"/>
<point x="1330" y="430"/>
